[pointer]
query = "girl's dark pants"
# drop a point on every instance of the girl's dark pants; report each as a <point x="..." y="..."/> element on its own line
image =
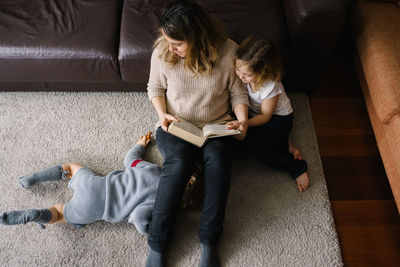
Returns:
<point x="179" y="161"/>
<point x="268" y="144"/>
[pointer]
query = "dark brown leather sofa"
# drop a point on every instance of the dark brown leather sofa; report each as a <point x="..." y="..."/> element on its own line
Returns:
<point x="97" y="45"/>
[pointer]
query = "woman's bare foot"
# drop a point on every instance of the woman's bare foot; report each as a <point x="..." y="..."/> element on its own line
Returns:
<point x="302" y="182"/>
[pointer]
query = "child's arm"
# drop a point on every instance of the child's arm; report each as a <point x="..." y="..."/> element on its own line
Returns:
<point x="137" y="151"/>
<point x="267" y="110"/>
<point x="141" y="217"/>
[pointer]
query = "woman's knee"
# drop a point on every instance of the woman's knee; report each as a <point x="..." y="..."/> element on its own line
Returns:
<point x="71" y="168"/>
<point x="220" y="158"/>
<point x="178" y="165"/>
<point x="219" y="147"/>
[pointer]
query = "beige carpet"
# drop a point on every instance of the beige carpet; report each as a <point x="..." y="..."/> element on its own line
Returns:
<point x="268" y="222"/>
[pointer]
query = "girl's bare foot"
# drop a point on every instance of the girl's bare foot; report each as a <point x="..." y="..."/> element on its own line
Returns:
<point x="294" y="151"/>
<point x="302" y="182"/>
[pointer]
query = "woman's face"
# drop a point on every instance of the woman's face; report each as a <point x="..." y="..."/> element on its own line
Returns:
<point x="244" y="72"/>
<point x="178" y="47"/>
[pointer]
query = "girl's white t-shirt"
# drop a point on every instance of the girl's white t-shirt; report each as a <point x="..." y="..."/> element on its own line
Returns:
<point x="269" y="89"/>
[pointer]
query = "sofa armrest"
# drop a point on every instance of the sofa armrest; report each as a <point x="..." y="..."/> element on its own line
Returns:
<point x="376" y="30"/>
<point x="314" y="28"/>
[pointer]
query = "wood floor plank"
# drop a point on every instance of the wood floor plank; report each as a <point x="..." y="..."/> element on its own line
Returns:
<point x="356" y="178"/>
<point x="370" y="245"/>
<point x="347" y="145"/>
<point x="365" y="212"/>
<point x="340" y="116"/>
<point x="368" y="231"/>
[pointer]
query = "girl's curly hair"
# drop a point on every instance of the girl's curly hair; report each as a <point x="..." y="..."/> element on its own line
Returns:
<point x="262" y="58"/>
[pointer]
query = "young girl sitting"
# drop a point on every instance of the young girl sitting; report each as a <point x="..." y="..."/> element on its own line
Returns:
<point x="120" y="196"/>
<point x="271" y="115"/>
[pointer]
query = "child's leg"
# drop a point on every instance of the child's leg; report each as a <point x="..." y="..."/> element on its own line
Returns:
<point x="57" y="214"/>
<point x="270" y="145"/>
<point x="71" y="169"/>
<point x="54" y="173"/>
<point x="303" y="180"/>
<point x="24" y="216"/>
<point x="57" y="211"/>
<point x="53" y="214"/>
<point x="283" y="160"/>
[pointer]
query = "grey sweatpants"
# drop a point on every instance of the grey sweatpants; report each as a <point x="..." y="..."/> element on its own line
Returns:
<point x="88" y="201"/>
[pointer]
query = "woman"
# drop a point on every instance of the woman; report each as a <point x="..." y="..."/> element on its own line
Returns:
<point x="192" y="78"/>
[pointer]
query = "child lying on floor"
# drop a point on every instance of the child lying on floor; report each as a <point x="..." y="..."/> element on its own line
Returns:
<point x="119" y="196"/>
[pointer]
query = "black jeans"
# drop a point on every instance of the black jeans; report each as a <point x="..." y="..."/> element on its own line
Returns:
<point x="179" y="160"/>
<point x="268" y="144"/>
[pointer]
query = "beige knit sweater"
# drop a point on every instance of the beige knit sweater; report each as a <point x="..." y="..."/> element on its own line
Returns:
<point x="202" y="99"/>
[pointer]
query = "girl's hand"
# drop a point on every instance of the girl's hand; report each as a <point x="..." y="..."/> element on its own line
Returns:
<point x="166" y="119"/>
<point x="232" y="124"/>
<point x="239" y="125"/>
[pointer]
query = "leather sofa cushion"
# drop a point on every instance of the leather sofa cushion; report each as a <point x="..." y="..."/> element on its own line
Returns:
<point x="377" y="31"/>
<point x="140" y="22"/>
<point x="314" y="27"/>
<point x="57" y="41"/>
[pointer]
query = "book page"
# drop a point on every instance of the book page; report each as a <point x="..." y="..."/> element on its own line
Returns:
<point x="189" y="127"/>
<point x="214" y="130"/>
<point x="187" y="131"/>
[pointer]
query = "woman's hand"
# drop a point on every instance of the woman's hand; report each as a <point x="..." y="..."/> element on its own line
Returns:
<point x="166" y="119"/>
<point x="242" y="122"/>
<point x="239" y="125"/>
<point x="161" y="109"/>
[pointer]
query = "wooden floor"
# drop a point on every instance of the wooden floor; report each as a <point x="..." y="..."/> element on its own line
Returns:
<point x="366" y="217"/>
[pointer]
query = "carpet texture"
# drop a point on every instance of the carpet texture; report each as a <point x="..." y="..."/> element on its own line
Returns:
<point x="268" y="222"/>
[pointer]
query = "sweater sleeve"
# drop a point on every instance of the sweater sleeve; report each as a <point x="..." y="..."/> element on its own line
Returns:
<point x="157" y="84"/>
<point x="136" y="152"/>
<point x="237" y="91"/>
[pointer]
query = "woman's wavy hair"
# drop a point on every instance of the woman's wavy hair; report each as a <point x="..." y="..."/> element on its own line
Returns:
<point x="185" y="20"/>
<point x="262" y="58"/>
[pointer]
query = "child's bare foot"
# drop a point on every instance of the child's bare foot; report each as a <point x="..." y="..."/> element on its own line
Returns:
<point x="302" y="182"/>
<point x="294" y="151"/>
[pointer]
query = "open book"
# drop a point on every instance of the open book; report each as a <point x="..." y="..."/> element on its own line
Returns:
<point x="191" y="133"/>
